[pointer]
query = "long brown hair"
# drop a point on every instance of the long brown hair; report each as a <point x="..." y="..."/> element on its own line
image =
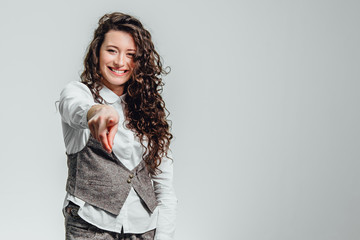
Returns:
<point x="145" y="109"/>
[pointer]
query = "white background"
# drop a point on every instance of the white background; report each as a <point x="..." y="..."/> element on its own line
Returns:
<point x="264" y="99"/>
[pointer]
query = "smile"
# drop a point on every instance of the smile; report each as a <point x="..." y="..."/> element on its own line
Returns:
<point x="118" y="72"/>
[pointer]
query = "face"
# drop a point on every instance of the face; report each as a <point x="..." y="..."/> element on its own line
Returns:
<point x="116" y="60"/>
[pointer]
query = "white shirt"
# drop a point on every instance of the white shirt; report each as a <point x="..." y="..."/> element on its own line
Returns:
<point x="75" y="101"/>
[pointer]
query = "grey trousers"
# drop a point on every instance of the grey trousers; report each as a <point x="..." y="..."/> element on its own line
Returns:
<point x="78" y="229"/>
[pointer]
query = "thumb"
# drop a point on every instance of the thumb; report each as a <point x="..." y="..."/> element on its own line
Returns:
<point x="110" y="122"/>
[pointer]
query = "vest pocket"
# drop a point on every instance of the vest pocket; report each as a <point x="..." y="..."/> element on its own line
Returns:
<point x="97" y="182"/>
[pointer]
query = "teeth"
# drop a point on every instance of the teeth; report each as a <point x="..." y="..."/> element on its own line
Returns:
<point x="119" y="72"/>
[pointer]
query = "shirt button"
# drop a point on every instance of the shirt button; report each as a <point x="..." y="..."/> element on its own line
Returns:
<point x="131" y="176"/>
<point x="129" y="180"/>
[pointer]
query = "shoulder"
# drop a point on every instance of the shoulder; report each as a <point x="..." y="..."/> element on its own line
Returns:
<point x="75" y="88"/>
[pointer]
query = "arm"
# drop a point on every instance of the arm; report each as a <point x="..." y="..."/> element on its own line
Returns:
<point x="167" y="201"/>
<point x="75" y="101"/>
<point x="79" y="111"/>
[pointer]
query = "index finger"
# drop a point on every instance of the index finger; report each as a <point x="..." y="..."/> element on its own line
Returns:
<point x="103" y="132"/>
<point x="111" y="135"/>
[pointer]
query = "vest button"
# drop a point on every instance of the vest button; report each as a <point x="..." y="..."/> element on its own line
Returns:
<point x="131" y="176"/>
<point x="129" y="180"/>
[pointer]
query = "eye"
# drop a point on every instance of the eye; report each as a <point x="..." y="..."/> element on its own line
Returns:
<point x="131" y="55"/>
<point x="111" y="50"/>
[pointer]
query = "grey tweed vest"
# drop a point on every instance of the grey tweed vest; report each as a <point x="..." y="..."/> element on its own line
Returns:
<point x="100" y="179"/>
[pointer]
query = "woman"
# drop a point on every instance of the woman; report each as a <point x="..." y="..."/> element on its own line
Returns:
<point x="117" y="139"/>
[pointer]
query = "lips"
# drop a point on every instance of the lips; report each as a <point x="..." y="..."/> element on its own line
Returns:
<point x="118" y="72"/>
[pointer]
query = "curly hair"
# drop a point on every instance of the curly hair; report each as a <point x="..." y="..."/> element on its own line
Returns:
<point x="144" y="109"/>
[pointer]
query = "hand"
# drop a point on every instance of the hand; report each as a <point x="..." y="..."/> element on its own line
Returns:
<point x="103" y="123"/>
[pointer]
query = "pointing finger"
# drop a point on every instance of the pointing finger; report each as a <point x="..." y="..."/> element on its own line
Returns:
<point x="103" y="131"/>
<point x="111" y="135"/>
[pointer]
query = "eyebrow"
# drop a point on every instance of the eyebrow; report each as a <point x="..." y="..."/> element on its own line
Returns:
<point x="129" y="49"/>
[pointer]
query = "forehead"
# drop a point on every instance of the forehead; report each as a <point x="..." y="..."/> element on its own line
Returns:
<point x="119" y="39"/>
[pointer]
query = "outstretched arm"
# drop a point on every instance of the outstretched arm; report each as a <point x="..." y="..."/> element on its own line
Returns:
<point x="79" y="111"/>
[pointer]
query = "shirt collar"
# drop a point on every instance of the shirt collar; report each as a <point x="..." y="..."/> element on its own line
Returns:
<point x="109" y="96"/>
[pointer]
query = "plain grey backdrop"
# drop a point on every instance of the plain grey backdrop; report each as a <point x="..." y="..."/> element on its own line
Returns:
<point x="264" y="99"/>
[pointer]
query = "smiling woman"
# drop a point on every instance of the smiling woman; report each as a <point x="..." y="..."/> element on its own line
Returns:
<point x="117" y="60"/>
<point x="117" y="139"/>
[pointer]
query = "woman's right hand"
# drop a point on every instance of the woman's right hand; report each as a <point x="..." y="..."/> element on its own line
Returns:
<point x="103" y="123"/>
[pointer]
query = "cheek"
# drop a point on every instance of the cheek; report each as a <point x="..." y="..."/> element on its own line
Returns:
<point x="104" y="59"/>
<point x="102" y="66"/>
<point x="132" y="64"/>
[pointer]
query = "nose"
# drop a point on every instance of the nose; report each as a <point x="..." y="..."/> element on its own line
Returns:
<point x="120" y="60"/>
